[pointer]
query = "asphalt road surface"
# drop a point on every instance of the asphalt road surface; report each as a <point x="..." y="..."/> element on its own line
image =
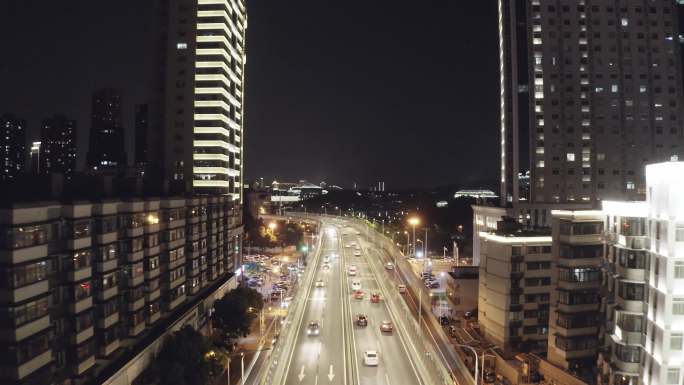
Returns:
<point x="335" y="356"/>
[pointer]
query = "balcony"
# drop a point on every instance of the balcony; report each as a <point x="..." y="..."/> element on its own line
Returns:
<point x="104" y="323"/>
<point x="582" y="239"/>
<point x="154" y="250"/>
<point x="107" y="293"/>
<point x="110" y="348"/>
<point x="78" y="243"/>
<point x="134" y="232"/>
<point x="27" y="254"/>
<point x="175" y="283"/>
<point x="24" y="292"/>
<point x="153" y="295"/>
<point x="136" y="305"/>
<point x="83" y="335"/>
<point x="136" y="329"/>
<point x="26" y="330"/>
<point x="566" y="308"/>
<point x="151" y="274"/>
<point x="84" y="365"/>
<point x="574" y="354"/>
<point x="80" y="274"/>
<point x="517" y="274"/>
<point x="576" y="331"/>
<point x="575" y="285"/>
<point x="103" y="239"/>
<point x="152" y="318"/>
<point x="79" y="306"/>
<point x="134" y="281"/>
<point x="176" y="263"/>
<point x="134" y="256"/>
<point x="28" y="367"/>
<point x="173" y="304"/>
<point x="102" y="267"/>
<point x="631" y="274"/>
<point x="636" y="305"/>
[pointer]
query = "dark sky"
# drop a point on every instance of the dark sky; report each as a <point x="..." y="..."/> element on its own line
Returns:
<point x="342" y="91"/>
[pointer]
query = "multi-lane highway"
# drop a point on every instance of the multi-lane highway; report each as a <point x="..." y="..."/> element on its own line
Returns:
<point x="336" y="354"/>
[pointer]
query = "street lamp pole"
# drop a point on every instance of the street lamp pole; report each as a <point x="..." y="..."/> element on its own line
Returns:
<point x="476" y="358"/>
<point x="242" y="368"/>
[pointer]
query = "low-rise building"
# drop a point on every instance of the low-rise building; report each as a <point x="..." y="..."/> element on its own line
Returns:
<point x="514" y="287"/>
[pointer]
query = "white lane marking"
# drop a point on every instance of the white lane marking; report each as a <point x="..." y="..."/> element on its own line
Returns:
<point x="331" y="375"/>
<point x="387" y="378"/>
<point x="301" y="374"/>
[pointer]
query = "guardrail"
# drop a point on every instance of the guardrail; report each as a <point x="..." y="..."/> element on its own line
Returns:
<point x="280" y="355"/>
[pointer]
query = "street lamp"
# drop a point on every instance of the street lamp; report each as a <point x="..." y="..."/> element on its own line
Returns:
<point x="242" y="368"/>
<point x="414" y="221"/>
<point x="476" y="357"/>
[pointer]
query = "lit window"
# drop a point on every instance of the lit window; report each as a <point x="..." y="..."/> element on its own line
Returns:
<point x="630" y="185"/>
<point x="181" y="45"/>
<point x="600" y="156"/>
<point x="570" y="157"/>
<point x="642" y="89"/>
<point x="540" y="164"/>
<point x="679" y="269"/>
<point x="614" y="88"/>
<point x="624" y="22"/>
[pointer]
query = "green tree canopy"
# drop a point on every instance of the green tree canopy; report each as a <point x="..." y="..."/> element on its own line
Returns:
<point x="235" y="312"/>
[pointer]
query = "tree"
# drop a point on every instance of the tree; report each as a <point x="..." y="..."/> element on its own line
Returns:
<point x="184" y="359"/>
<point x="235" y="312"/>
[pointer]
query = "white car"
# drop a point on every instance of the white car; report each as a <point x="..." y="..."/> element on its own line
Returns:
<point x="313" y="329"/>
<point x="352" y="270"/>
<point x="356" y="285"/>
<point x="357" y="253"/>
<point x="389" y="266"/>
<point x="370" y="358"/>
<point x="347" y="245"/>
<point x="320" y="283"/>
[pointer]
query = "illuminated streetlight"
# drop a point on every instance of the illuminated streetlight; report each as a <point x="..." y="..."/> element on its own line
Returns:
<point x="272" y="226"/>
<point x="414" y="221"/>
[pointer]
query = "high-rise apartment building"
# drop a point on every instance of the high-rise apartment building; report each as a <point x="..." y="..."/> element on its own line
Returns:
<point x="107" y="148"/>
<point x="58" y="145"/>
<point x="141" y="126"/>
<point x="643" y="305"/>
<point x="201" y="145"/>
<point x="591" y="91"/>
<point x="90" y="277"/>
<point x="12" y="145"/>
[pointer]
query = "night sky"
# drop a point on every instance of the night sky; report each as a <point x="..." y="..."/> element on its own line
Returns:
<point x="341" y="91"/>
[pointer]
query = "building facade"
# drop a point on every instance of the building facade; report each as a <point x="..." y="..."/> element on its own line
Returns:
<point x="577" y="251"/>
<point x="514" y="289"/>
<point x="591" y="91"/>
<point x="201" y="144"/>
<point x="58" y="145"/>
<point x="644" y="284"/>
<point x="141" y="125"/>
<point x="12" y="145"/>
<point x="81" y="280"/>
<point x="107" y="148"/>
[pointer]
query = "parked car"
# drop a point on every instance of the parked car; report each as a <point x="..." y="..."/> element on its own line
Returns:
<point x="489" y="376"/>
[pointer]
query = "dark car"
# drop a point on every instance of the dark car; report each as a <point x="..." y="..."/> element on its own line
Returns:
<point x="361" y="320"/>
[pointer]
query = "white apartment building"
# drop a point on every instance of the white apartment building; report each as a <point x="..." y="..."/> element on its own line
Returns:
<point x="644" y="281"/>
